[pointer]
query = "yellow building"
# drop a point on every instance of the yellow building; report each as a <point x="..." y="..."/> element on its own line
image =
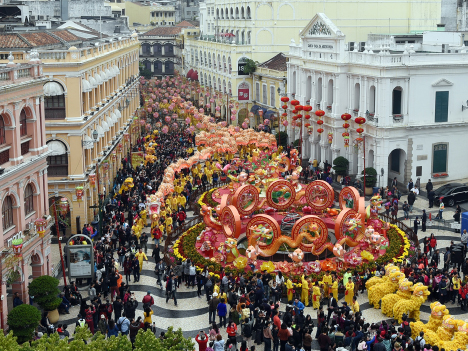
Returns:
<point x="143" y="13"/>
<point x="232" y="32"/>
<point x="269" y="82"/>
<point x="90" y="99"/>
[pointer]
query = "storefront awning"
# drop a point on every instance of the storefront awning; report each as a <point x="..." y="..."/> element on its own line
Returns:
<point x="269" y="114"/>
<point x="86" y="86"/>
<point x="254" y="109"/>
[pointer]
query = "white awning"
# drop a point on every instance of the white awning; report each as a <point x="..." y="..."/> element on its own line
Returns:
<point x="110" y="121"/>
<point x="117" y="113"/>
<point x="98" y="78"/>
<point x="100" y="131"/>
<point x="114" y="117"/>
<point x="104" y="76"/>
<point x="57" y="148"/>
<point x="105" y="126"/>
<point x="52" y="89"/>
<point x="86" y="86"/>
<point x="109" y="74"/>
<point x="93" y="82"/>
<point x="88" y="142"/>
<point x="116" y="70"/>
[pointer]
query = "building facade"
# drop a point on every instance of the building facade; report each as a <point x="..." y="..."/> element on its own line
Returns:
<point x="161" y="51"/>
<point x="409" y="88"/>
<point x="144" y="14"/>
<point x="232" y="32"/>
<point x="90" y="99"/>
<point x="269" y="82"/>
<point x="23" y="179"/>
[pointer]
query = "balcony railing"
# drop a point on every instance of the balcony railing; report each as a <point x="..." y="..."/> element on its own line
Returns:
<point x="4" y="156"/>
<point x="25" y="148"/>
<point x="54" y="113"/>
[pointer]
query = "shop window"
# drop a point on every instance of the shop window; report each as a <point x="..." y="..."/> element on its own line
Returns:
<point x="7" y="213"/>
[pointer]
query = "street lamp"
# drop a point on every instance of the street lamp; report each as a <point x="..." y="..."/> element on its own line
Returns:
<point x="88" y="143"/>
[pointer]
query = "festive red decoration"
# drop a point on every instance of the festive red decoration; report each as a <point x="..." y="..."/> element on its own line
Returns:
<point x="319" y="113"/>
<point x="294" y="111"/>
<point x="307" y="116"/>
<point x="320" y="122"/>
<point x="345" y="125"/>
<point x="284" y="99"/>
<point x="345" y="134"/>
<point x="359" y="130"/>
<point x="41" y="225"/>
<point x="284" y="114"/>
<point x="307" y="108"/>
<point x="320" y="130"/>
<point x="299" y="107"/>
<point x="307" y="125"/>
<point x="360" y="120"/>
<point x="284" y="107"/>
<point x="345" y="116"/>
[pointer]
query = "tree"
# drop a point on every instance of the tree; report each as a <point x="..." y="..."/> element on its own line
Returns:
<point x="282" y="138"/>
<point x="45" y="292"/>
<point x="146" y="73"/>
<point x="340" y="165"/>
<point x="371" y="177"/>
<point x="8" y="341"/>
<point x="174" y="341"/>
<point x="23" y="320"/>
<point x="250" y="66"/>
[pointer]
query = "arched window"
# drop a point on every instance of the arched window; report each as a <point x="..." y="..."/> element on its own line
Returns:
<point x="23" y="125"/>
<point x="229" y="64"/>
<point x="224" y="64"/>
<point x="217" y="13"/>
<point x="242" y="13"/>
<point x="219" y="84"/>
<point x="248" y="37"/>
<point x="201" y="58"/>
<point x="232" y="13"/>
<point x="7" y="213"/>
<point x="204" y="56"/>
<point x="397" y="99"/>
<point x="237" y="13"/>
<point x="2" y="131"/>
<point x="54" y="101"/>
<point x="58" y="160"/>
<point x="357" y="96"/>
<point x="248" y="12"/>
<point x="222" y="14"/>
<point x="227" y="13"/>
<point x="229" y="88"/>
<point x="224" y="86"/>
<point x="28" y="200"/>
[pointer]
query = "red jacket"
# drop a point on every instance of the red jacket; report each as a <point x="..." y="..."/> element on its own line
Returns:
<point x="148" y="299"/>
<point x="463" y="291"/>
<point x="202" y="343"/>
<point x="433" y="242"/>
<point x="231" y="330"/>
<point x="89" y="314"/>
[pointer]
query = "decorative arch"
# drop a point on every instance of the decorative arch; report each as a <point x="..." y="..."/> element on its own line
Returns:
<point x="61" y="82"/>
<point x="260" y="5"/>
<point x="7" y="118"/>
<point x="61" y="140"/>
<point x="286" y="4"/>
<point x="264" y="41"/>
<point x="14" y="195"/>
<point x="34" y="184"/>
<point x="37" y="253"/>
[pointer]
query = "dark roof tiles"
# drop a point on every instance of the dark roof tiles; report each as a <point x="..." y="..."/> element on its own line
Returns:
<point x="277" y="63"/>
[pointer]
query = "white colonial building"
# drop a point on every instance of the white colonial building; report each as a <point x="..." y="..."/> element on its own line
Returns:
<point x="410" y="88"/>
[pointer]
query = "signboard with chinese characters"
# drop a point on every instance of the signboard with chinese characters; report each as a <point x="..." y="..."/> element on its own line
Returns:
<point x="243" y="92"/>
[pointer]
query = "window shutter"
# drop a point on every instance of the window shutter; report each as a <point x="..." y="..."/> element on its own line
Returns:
<point x="441" y="106"/>
<point x="439" y="158"/>
<point x="265" y="96"/>
<point x="257" y="91"/>
<point x="272" y="96"/>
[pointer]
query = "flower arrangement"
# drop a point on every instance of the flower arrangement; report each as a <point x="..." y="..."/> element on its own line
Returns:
<point x="207" y="199"/>
<point x="398" y="250"/>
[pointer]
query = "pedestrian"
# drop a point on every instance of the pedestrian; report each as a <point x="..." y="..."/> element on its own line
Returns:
<point x="140" y="255"/>
<point x="171" y="289"/>
<point x="432" y="243"/>
<point x="423" y="221"/>
<point x="406" y="210"/>
<point x="441" y="210"/>
<point x="202" y="340"/>
<point x="222" y="312"/>
<point x="415" y="225"/>
<point x="212" y="308"/>
<point x="136" y="269"/>
<point x="411" y="200"/>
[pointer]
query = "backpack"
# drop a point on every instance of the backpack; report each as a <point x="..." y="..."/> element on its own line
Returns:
<point x="407" y="329"/>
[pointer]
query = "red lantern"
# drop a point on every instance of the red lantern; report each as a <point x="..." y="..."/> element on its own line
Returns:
<point x="119" y="147"/>
<point x="320" y="130"/>
<point x="284" y="99"/>
<point x="345" y="116"/>
<point x="330" y="137"/>
<point x="345" y="125"/>
<point x="295" y="102"/>
<point x="41" y="225"/>
<point x="114" y="156"/>
<point x="307" y="116"/>
<point x="284" y="107"/>
<point x="307" y="108"/>
<point x="360" y="130"/>
<point x="17" y="246"/>
<point x="319" y="113"/>
<point x="307" y="125"/>
<point x="319" y="122"/>
<point x="260" y="113"/>
<point x="284" y="114"/>
<point x="63" y="206"/>
<point x="360" y="120"/>
<point x="92" y="180"/>
<point x="345" y="134"/>
<point x="299" y="107"/>
<point x="294" y="111"/>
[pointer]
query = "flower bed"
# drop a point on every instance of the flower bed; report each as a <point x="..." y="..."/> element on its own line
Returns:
<point x="207" y="199"/>
<point x="185" y="247"/>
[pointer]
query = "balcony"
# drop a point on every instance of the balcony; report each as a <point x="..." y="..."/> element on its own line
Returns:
<point x="5" y="156"/>
<point x="54" y="113"/>
<point x="398" y="118"/>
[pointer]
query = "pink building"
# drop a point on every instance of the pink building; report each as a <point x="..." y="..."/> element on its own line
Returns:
<point x="23" y="179"/>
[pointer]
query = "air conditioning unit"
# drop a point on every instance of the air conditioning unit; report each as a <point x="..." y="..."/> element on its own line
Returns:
<point x="362" y="46"/>
<point x="351" y="46"/>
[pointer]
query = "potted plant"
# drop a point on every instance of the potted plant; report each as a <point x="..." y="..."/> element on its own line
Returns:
<point x="22" y="321"/>
<point x="371" y="180"/>
<point x="340" y="167"/>
<point x="45" y="291"/>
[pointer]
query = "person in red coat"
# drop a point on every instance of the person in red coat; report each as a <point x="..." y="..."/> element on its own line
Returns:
<point x="202" y="340"/>
<point x="89" y="318"/>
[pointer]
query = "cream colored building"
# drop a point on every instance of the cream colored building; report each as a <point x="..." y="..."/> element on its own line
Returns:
<point x="92" y="91"/>
<point x="143" y="15"/>
<point x="260" y="30"/>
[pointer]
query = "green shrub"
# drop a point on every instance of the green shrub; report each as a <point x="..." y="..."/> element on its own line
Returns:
<point x="23" y="320"/>
<point x="45" y="292"/>
<point x="340" y="165"/>
<point x="371" y="177"/>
